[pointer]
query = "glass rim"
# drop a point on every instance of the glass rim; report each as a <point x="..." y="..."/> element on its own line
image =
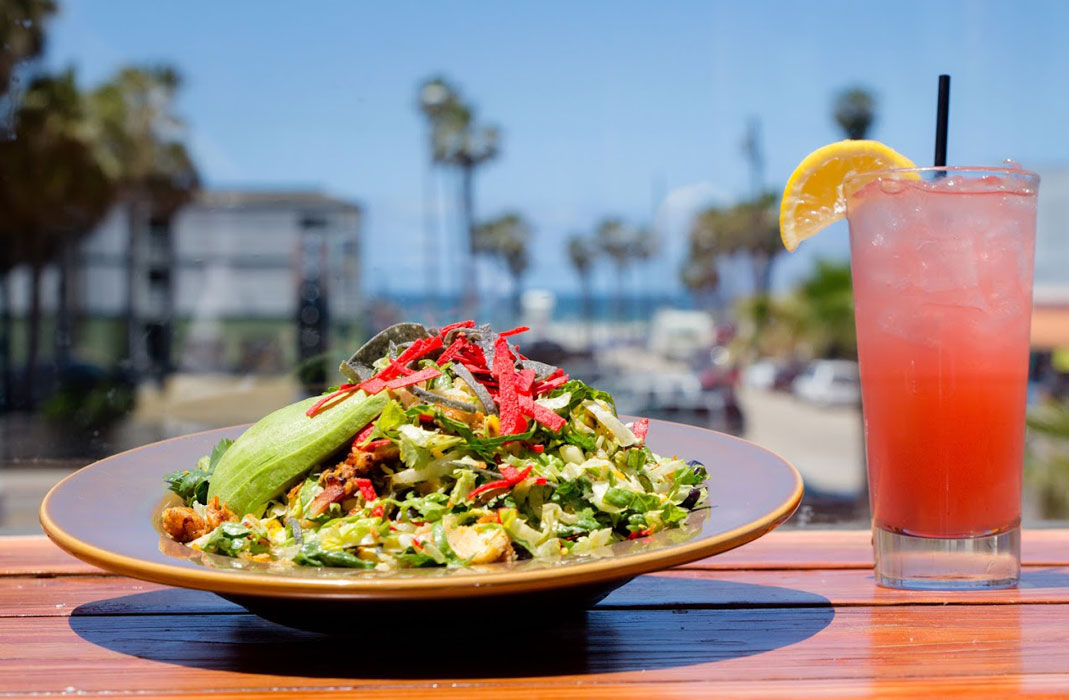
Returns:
<point x="1020" y="173"/>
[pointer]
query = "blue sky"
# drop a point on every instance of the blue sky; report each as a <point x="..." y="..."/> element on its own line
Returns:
<point x="635" y="109"/>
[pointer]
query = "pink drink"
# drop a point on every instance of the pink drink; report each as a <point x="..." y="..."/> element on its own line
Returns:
<point x="942" y="271"/>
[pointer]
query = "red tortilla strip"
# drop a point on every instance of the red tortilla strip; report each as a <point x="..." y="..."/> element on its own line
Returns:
<point x="541" y="414"/>
<point x="511" y="420"/>
<point x="454" y="349"/>
<point x="553" y="382"/>
<point x="343" y="389"/>
<point x="524" y="381"/>
<point x="452" y="326"/>
<point x="414" y="378"/>
<point x="373" y="385"/>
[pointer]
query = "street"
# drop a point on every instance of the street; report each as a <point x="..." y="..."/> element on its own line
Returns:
<point x="824" y="444"/>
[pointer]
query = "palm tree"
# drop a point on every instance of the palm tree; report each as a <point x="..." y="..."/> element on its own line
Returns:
<point x="827" y="304"/>
<point x="617" y="240"/>
<point x="644" y="249"/>
<point x="756" y="232"/>
<point x="141" y="137"/>
<point x="855" y="110"/>
<point x="711" y="238"/>
<point x="581" y="255"/>
<point x="22" y="38"/>
<point x="750" y="226"/>
<point x="22" y="34"/>
<point x="54" y="189"/>
<point x="506" y="237"/>
<point x="457" y="141"/>
<point x="1047" y="456"/>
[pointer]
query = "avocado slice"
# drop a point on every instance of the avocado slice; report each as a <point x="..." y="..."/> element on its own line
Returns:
<point x="279" y="448"/>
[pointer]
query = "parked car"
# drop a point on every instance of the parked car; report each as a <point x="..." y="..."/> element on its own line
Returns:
<point x="761" y="374"/>
<point x="715" y="367"/>
<point x="829" y="383"/>
<point x="772" y="375"/>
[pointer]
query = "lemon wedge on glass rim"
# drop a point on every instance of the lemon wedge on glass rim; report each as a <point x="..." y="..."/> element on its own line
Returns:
<point x="814" y="197"/>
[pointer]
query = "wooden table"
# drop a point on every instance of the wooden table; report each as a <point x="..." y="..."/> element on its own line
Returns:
<point x="793" y="614"/>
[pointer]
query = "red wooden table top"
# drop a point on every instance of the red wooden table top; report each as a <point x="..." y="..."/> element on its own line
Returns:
<point x="795" y="613"/>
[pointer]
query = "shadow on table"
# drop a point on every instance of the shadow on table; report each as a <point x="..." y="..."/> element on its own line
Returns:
<point x="1044" y="578"/>
<point x="197" y="629"/>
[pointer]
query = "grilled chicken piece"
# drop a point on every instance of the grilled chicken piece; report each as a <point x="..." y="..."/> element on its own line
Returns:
<point x="340" y="482"/>
<point x="479" y="545"/>
<point x="184" y="524"/>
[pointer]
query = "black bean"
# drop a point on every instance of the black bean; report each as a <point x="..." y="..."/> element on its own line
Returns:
<point x="691" y="499"/>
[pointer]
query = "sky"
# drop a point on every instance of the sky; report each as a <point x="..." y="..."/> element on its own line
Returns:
<point x="630" y="109"/>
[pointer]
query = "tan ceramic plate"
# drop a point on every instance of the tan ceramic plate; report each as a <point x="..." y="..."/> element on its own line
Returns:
<point x="105" y="514"/>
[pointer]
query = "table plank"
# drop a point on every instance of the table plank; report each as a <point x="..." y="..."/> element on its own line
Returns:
<point x="881" y="644"/>
<point x="850" y="549"/>
<point x="36" y="555"/>
<point x="780" y="549"/>
<point x="115" y="595"/>
<point x="1033" y="685"/>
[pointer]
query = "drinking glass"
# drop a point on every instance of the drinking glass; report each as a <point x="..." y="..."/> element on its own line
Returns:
<point x="942" y="264"/>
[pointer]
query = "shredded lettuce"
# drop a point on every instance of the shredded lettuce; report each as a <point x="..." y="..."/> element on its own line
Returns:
<point x="192" y="484"/>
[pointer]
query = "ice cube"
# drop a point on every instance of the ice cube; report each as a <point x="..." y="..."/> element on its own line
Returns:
<point x="892" y="185"/>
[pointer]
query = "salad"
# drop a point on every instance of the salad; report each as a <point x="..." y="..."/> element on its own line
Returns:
<point x="446" y="447"/>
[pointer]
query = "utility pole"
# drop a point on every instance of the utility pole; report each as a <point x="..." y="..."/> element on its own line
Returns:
<point x="751" y="147"/>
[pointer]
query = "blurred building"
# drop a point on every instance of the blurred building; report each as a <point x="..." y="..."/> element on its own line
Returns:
<point x="1050" y="320"/>
<point x="233" y="282"/>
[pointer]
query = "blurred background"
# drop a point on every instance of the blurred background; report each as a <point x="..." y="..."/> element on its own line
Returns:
<point x="205" y="206"/>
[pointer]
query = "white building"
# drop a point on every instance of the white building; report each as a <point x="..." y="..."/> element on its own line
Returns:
<point x="228" y="260"/>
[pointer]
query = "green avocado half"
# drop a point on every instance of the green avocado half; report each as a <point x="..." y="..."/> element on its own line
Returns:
<point x="278" y="449"/>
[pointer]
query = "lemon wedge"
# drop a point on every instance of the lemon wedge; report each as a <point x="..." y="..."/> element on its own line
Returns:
<point x="814" y="197"/>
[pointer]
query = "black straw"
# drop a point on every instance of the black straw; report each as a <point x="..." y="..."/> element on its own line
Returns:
<point x="941" y="116"/>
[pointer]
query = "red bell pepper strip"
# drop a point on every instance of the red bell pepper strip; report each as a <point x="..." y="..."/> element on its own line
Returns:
<point x="414" y="378"/>
<point x="540" y="481"/>
<point x="375" y="444"/>
<point x="342" y="390"/>
<point x="366" y="489"/>
<point x="512" y="476"/>
<point x="640" y="533"/>
<point x="541" y="414"/>
<point x="514" y="331"/>
<point x="640" y="428"/>
<point x="378" y="511"/>
<point x="452" y="326"/>
<point x="364" y="434"/>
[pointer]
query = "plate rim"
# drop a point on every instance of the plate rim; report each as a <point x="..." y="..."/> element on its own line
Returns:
<point x="397" y="588"/>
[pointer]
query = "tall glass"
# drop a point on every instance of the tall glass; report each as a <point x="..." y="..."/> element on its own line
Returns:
<point x="942" y="271"/>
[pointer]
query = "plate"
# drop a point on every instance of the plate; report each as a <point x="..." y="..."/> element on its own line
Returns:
<point x="106" y="514"/>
